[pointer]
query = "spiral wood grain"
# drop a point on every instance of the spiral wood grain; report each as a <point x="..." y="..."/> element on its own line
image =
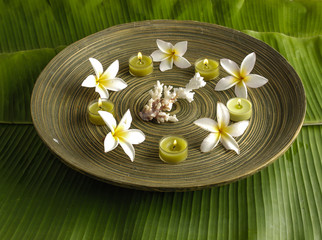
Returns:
<point x="59" y="106"/>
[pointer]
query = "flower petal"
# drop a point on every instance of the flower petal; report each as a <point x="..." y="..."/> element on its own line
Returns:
<point x="125" y="122"/>
<point x="90" y="81"/>
<point x="230" y="66"/>
<point x="229" y="142"/>
<point x="159" y="56"/>
<point x="180" y="48"/>
<point x="133" y="136"/>
<point x="102" y="91"/>
<point x="128" y="149"/>
<point x="237" y="129"/>
<point x="97" y="66"/>
<point x="111" y="71"/>
<point x="110" y="142"/>
<point x="109" y="120"/>
<point x="226" y="83"/>
<point x="181" y="62"/>
<point x="255" y="81"/>
<point x="241" y="90"/>
<point x="210" y="142"/>
<point x="248" y="64"/>
<point x="166" y="64"/>
<point x="165" y="47"/>
<point x="115" y="84"/>
<point x="207" y="124"/>
<point x="223" y="116"/>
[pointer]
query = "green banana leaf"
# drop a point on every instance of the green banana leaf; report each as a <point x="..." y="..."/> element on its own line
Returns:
<point x="41" y="198"/>
<point x="305" y="55"/>
<point x="35" y="24"/>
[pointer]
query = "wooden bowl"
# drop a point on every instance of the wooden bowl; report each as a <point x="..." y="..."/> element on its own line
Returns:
<point x="59" y="104"/>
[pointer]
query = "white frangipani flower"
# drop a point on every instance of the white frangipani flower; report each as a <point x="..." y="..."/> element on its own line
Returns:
<point x="104" y="81"/>
<point x="121" y="134"/>
<point x="240" y="77"/>
<point x="220" y="131"/>
<point x="169" y="54"/>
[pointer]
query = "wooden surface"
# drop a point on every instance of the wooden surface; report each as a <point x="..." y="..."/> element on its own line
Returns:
<point x="59" y="106"/>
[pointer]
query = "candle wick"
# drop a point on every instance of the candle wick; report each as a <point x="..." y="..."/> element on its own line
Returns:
<point x="99" y="103"/>
<point x="174" y="144"/>
<point x="205" y="62"/>
<point x="239" y="103"/>
<point x="140" y="57"/>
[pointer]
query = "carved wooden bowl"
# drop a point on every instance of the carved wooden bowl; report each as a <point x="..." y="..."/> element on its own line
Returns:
<point x="59" y="106"/>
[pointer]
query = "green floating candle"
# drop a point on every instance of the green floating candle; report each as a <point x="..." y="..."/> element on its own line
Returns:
<point x="140" y="65"/>
<point x="239" y="108"/>
<point x="173" y="149"/>
<point x="100" y="105"/>
<point x="208" y="68"/>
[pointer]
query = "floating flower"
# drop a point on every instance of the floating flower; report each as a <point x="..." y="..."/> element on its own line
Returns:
<point x="169" y="54"/>
<point x="121" y="134"/>
<point x="240" y="77"/>
<point x="221" y="131"/>
<point x="104" y="81"/>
